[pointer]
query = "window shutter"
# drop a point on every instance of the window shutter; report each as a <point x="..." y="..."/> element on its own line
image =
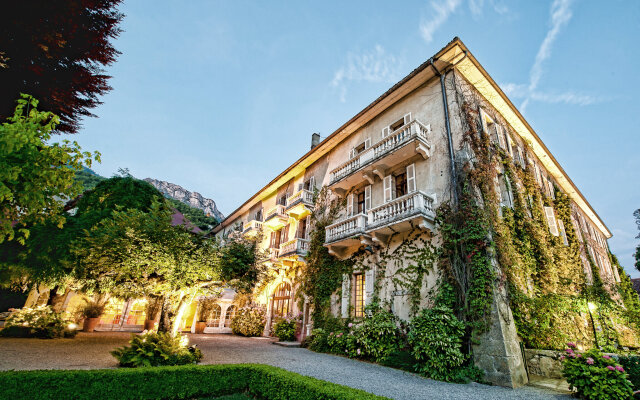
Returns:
<point x="273" y="239"/>
<point x="308" y="227"/>
<point x="411" y="178"/>
<point x="551" y="220"/>
<point x="367" y="197"/>
<point x="300" y="186"/>
<point x="285" y="234"/>
<point x="388" y="183"/>
<point x="350" y="204"/>
<point x="352" y="153"/>
<point x="509" y="143"/>
<point x="407" y="118"/>
<point x="367" y="143"/>
<point x="483" y="119"/>
<point x="312" y="183"/>
<point x="500" y="137"/>
<point x="385" y="131"/>
<point x="563" y="233"/>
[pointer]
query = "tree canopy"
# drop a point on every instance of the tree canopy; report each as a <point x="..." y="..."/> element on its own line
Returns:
<point x="35" y="174"/>
<point x="56" y="51"/>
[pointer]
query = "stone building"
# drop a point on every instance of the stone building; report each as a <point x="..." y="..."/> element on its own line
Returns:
<point x="394" y="164"/>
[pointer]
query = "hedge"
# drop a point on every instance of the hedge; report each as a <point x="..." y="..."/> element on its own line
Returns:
<point x="179" y="382"/>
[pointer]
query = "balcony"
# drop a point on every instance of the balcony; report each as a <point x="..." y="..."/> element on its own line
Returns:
<point x="251" y="228"/>
<point x="405" y="142"/>
<point x="414" y="210"/>
<point x="402" y="214"/>
<point x="300" y="204"/>
<point x="276" y="218"/>
<point x="295" y="247"/>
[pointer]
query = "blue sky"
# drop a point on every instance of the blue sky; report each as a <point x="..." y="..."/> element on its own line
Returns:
<point x="220" y="97"/>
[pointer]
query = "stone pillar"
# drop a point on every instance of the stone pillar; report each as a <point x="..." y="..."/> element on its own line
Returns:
<point x="498" y="353"/>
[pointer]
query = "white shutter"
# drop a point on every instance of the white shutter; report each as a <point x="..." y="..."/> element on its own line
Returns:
<point x="350" y="204"/>
<point x="367" y="197"/>
<point x="367" y="143"/>
<point x="537" y="172"/>
<point x="346" y="292"/>
<point x="368" y="286"/>
<point x="407" y="118"/>
<point x="509" y="144"/>
<point x="352" y="153"/>
<point x="312" y="183"/>
<point x="300" y="186"/>
<point x="385" y="131"/>
<point x="387" y="184"/>
<point x="500" y="136"/>
<point x="563" y="233"/>
<point x="551" y="220"/>
<point x="411" y="178"/>
<point x="308" y="227"/>
<point x="483" y="119"/>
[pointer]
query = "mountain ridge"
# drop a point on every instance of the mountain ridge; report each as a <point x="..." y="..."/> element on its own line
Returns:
<point x="193" y="199"/>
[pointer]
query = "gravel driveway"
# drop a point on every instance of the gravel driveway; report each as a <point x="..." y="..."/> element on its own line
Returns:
<point x="92" y="351"/>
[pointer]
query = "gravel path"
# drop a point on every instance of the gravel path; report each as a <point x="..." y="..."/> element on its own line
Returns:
<point x="92" y="351"/>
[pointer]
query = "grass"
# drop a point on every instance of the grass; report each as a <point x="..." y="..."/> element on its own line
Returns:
<point x="236" y="396"/>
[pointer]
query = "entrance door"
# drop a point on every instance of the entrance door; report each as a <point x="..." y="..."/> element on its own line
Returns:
<point x="281" y="301"/>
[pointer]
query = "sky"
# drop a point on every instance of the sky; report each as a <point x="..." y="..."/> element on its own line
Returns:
<point x="220" y="97"/>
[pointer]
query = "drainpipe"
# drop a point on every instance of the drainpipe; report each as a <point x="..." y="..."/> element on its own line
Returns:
<point x="445" y="105"/>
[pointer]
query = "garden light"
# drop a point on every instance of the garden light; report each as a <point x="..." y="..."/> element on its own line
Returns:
<point x="591" y="306"/>
<point x="72" y="326"/>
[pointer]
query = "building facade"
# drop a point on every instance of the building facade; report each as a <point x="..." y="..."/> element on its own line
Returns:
<point x="393" y="165"/>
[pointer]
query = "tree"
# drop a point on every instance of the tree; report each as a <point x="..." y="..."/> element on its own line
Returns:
<point x="56" y="51"/>
<point x="636" y="214"/>
<point x="35" y="174"/>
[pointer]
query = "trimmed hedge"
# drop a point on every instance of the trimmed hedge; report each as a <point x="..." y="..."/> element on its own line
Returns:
<point x="180" y="382"/>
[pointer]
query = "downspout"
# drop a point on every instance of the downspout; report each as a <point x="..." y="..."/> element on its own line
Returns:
<point x="445" y="105"/>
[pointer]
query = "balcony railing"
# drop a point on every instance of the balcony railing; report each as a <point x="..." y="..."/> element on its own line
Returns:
<point x="348" y="227"/>
<point x="407" y="132"/>
<point x="302" y="196"/>
<point x="276" y="218"/>
<point x="251" y="227"/>
<point x="275" y="211"/>
<point x="295" y="246"/>
<point x="396" y="212"/>
<point x="400" y="209"/>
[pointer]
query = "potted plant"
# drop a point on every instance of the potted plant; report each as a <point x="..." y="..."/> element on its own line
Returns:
<point x="206" y="306"/>
<point x="152" y="310"/>
<point x="91" y="312"/>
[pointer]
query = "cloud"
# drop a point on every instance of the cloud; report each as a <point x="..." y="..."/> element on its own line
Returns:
<point x="373" y="66"/>
<point x="441" y="12"/>
<point x="568" y="98"/>
<point x="560" y="16"/>
<point x="476" y="7"/>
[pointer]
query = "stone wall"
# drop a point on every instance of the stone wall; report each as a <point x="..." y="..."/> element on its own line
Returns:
<point x="544" y="363"/>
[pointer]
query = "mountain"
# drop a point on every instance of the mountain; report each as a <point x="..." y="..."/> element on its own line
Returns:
<point x="88" y="178"/>
<point x="193" y="199"/>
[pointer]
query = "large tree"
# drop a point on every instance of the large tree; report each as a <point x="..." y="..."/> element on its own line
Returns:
<point x="636" y="214"/>
<point x="57" y="51"/>
<point x="35" y="174"/>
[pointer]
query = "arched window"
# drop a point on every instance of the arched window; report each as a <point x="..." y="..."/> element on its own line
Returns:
<point x="214" y="317"/>
<point x="281" y="300"/>
<point x="229" y="316"/>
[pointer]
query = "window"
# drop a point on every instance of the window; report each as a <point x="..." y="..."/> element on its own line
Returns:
<point x="284" y="234"/>
<point x="282" y="200"/>
<point x="310" y="184"/>
<point x="396" y="125"/>
<point x="401" y="184"/>
<point x="213" y="319"/>
<point x="563" y="233"/>
<point x="281" y="300"/>
<point x="276" y="236"/>
<point x="358" y="294"/>
<point x="505" y="191"/>
<point x="258" y="216"/>
<point x="360" y="203"/>
<point x="302" y="228"/>
<point x="231" y="312"/>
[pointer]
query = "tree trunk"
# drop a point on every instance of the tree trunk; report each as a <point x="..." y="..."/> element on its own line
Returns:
<point x="182" y="305"/>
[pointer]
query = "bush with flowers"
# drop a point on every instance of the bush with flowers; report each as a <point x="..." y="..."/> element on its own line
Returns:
<point x="41" y="322"/>
<point x="249" y="320"/>
<point x="595" y="376"/>
<point x="285" y="328"/>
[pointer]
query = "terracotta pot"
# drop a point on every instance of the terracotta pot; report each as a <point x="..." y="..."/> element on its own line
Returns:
<point x="200" y="327"/>
<point x="149" y="324"/>
<point x="89" y="324"/>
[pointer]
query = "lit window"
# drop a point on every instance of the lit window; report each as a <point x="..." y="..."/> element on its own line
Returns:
<point x="358" y="290"/>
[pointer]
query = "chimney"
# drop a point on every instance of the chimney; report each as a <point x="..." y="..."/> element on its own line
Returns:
<point x="315" y="139"/>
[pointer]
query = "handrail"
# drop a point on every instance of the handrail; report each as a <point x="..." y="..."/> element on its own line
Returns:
<point x="303" y="194"/>
<point x="277" y="210"/>
<point x="345" y="227"/>
<point x="398" y="137"/>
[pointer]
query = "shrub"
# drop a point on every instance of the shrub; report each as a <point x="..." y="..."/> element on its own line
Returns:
<point x="631" y="365"/>
<point x="376" y="337"/>
<point x="154" y="349"/>
<point x="595" y="376"/>
<point x="41" y="322"/>
<point x="183" y="382"/>
<point x="249" y="320"/>
<point x="285" y="329"/>
<point x="435" y="336"/>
